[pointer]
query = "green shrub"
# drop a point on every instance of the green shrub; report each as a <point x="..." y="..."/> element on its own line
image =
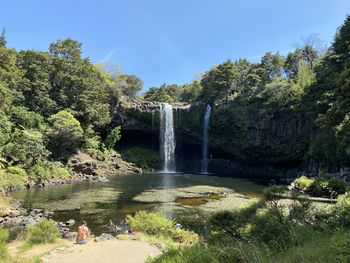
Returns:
<point x="156" y="224"/>
<point x="302" y="183"/>
<point x="40" y="172"/>
<point x="340" y="244"/>
<point x="43" y="232"/>
<point x="142" y="157"/>
<point x="13" y="176"/>
<point x="274" y="191"/>
<point x="113" y="137"/>
<point x="343" y="201"/>
<point x="60" y="172"/>
<point x="233" y="223"/>
<point x="4" y="235"/>
<point x="194" y="254"/>
<point x="326" y="186"/>
<point x="151" y="223"/>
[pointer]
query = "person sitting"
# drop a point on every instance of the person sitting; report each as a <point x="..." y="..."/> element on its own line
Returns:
<point x="124" y="221"/>
<point x="112" y="227"/>
<point x="83" y="233"/>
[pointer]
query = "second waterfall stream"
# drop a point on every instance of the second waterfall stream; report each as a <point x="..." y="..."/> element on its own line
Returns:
<point x="205" y="140"/>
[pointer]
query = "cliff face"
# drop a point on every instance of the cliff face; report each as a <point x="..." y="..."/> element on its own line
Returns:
<point x="249" y="135"/>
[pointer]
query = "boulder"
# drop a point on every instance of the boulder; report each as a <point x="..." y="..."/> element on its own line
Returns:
<point x="70" y="235"/>
<point x="14" y="213"/>
<point x="70" y="222"/>
<point x="104" y="237"/>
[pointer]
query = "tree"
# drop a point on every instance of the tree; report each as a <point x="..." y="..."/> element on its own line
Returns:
<point x="26" y="147"/>
<point x="65" y="133"/>
<point x="132" y="85"/>
<point x="113" y="137"/>
<point x="76" y="83"/>
<point x="10" y="78"/>
<point x="271" y="67"/>
<point x="3" y="38"/>
<point x="67" y="48"/>
<point x="219" y="82"/>
<point x="165" y="93"/>
<point x="20" y="116"/>
<point x="36" y="86"/>
<point x="5" y="130"/>
<point x="191" y="92"/>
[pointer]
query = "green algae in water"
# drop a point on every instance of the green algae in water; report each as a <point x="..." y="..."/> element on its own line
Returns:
<point x="198" y="201"/>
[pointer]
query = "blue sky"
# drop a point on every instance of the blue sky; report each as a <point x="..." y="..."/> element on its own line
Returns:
<point x="170" y="41"/>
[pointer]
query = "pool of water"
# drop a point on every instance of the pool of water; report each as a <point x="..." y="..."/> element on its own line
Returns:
<point x="97" y="203"/>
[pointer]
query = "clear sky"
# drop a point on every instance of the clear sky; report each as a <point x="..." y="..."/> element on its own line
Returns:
<point x="170" y="41"/>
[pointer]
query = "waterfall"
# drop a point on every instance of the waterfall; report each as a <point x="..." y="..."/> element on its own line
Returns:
<point x="205" y="140"/>
<point x="167" y="138"/>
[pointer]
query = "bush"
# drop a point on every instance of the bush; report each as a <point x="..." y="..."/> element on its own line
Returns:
<point x="43" y="232"/>
<point x="4" y="235"/>
<point x="151" y="223"/>
<point x="340" y="244"/>
<point x="40" y="172"/>
<point x="60" y="172"/>
<point x="142" y="157"/>
<point x="326" y="186"/>
<point x="156" y="224"/>
<point x="13" y="176"/>
<point x="113" y="137"/>
<point x="302" y="183"/>
<point x="194" y="254"/>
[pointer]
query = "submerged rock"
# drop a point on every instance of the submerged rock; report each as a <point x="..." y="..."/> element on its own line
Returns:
<point x="212" y="199"/>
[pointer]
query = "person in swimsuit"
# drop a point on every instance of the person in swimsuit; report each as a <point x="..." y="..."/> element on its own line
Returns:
<point x="83" y="233"/>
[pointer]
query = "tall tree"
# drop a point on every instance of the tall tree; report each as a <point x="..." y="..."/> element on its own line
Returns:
<point x="132" y="85"/>
<point x="271" y="67"/>
<point x="220" y="82"/>
<point x="3" y="41"/>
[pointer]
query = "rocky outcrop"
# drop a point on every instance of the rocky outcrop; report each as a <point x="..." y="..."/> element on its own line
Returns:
<point x="86" y="167"/>
<point x="239" y="132"/>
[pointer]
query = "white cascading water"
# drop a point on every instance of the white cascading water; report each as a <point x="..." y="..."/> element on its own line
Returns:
<point x="167" y="138"/>
<point x="205" y="140"/>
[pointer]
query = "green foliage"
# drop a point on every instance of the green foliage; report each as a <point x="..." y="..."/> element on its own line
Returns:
<point x="174" y="93"/>
<point x="340" y="243"/>
<point x="274" y="192"/>
<point x="65" y="134"/>
<point x="142" y="157"/>
<point x="113" y="137"/>
<point x="156" y="224"/>
<point x="220" y="81"/>
<point x="302" y="183"/>
<point x="5" y="129"/>
<point x="271" y="67"/>
<point x="327" y="186"/>
<point x="4" y="235"/>
<point x="194" y="254"/>
<point x="20" y="116"/>
<point x="132" y="85"/>
<point x="26" y="147"/>
<point x="42" y="233"/>
<point x="40" y="172"/>
<point x="43" y="172"/>
<point x="66" y="48"/>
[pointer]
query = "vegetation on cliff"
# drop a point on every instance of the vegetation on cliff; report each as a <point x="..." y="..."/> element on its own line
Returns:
<point x="285" y="110"/>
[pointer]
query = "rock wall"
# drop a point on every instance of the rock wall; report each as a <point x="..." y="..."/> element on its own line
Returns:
<point x="251" y="135"/>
